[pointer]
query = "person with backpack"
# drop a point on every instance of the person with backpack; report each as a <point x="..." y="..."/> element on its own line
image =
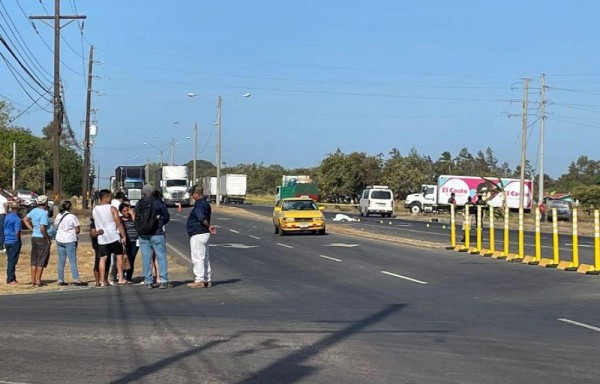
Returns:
<point x="111" y="236"/>
<point x="67" y="229"/>
<point x="151" y="215"/>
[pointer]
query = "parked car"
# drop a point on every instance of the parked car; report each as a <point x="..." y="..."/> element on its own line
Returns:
<point x="564" y="209"/>
<point x="27" y="198"/>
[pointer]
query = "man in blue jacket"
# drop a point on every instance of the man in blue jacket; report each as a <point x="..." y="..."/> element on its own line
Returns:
<point x="199" y="230"/>
<point x="154" y="243"/>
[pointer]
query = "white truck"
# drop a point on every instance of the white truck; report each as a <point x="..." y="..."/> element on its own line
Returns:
<point x="209" y="183"/>
<point x="173" y="183"/>
<point x="492" y="190"/>
<point x="233" y="188"/>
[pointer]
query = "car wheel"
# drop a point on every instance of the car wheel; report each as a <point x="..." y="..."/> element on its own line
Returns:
<point x="281" y="232"/>
<point x="321" y="232"/>
<point x="276" y="229"/>
<point x="367" y="213"/>
<point x="360" y="212"/>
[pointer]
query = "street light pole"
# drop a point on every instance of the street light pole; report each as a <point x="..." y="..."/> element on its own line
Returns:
<point x="195" y="151"/>
<point x="219" y="110"/>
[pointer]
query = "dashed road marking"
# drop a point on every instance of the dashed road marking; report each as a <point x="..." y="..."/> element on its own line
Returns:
<point x="580" y="324"/>
<point x="330" y="258"/>
<point x="254" y="237"/>
<point x="404" y="277"/>
<point x="234" y="231"/>
<point x="285" y="245"/>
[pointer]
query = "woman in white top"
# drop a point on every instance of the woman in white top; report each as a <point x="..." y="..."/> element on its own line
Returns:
<point x="67" y="229"/>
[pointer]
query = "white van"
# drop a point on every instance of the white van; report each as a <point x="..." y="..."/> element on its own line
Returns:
<point x="376" y="199"/>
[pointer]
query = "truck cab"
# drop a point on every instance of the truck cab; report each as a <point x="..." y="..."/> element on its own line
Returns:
<point x="424" y="201"/>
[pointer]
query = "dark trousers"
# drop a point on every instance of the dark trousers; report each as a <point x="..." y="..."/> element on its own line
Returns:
<point x="132" y="251"/>
<point x="12" y="253"/>
<point x="2" y="217"/>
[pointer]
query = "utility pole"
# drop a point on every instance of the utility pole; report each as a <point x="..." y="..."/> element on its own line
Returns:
<point x="172" y="151"/>
<point x="219" y="110"/>
<point x="58" y="107"/>
<point x="195" y="151"/>
<point x="523" y="146"/>
<point x="541" y="149"/>
<point x="86" y="144"/>
<point x="14" y="173"/>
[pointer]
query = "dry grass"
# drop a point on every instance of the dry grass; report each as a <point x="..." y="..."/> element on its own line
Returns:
<point x="85" y="265"/>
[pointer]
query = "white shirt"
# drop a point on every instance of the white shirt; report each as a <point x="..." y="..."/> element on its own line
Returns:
<point x="65" y="232"/>
<point x="3" y="203"/>
<point x="103" y="219"/>
<point x="116" y="203"/>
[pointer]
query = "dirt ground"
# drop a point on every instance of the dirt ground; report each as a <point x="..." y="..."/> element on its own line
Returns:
<point x="85" y="265"/>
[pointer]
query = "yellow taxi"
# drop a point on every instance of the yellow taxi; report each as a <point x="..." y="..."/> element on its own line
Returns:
<point x="295" y="214"/>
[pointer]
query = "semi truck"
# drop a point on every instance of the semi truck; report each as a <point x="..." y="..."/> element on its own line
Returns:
<point x="130" y="179"/>
<point x="209" y="183"/>
<point x="296" y="186"/>
<point x="434" y="197"/>
<point x="233" y="188"/>
<point x="173" y="183"/>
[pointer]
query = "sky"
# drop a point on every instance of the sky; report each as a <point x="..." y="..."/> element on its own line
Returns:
<point x="355" y="75"/>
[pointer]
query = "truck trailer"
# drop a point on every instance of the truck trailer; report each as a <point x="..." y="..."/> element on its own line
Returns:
<point x="492" y="190"/>
<point x="233" y="188"/>
<point x="173" y="183"/>
<point x="209" y="183"/>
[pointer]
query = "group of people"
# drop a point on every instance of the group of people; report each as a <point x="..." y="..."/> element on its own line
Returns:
<point x="118" y="232"/>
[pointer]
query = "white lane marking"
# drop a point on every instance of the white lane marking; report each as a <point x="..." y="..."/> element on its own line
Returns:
<point x="285" y="245"/>
<point x="234" y="231"/>
<point x="234" y="245"/>
<point x="254" y="237"/>
<point x="11" y="382"/>
<point x="340" y="245"/>
<point x="404" y="277"/>
<point x="581" y="245"/>
<point x="330" y="258"/>
<point x="179" y="253"/>
<point x="580" y="324"/>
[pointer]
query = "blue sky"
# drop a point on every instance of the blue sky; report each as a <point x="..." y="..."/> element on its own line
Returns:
<point x="355" y="75"/>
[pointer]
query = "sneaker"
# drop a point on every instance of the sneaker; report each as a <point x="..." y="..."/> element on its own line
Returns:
<point x="208" y="283"/>
<point x="149" y="286"/>
<point x="197" y="284"/>
<point x="163" y="286"/>
<point x="80" y="284"/>
<point x="113" y="283"/>
<point x="62" y="284"/>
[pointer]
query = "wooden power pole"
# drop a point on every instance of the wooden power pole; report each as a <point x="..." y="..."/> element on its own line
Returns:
<point x="58" y="107"/>
<point x="85" y="186"/>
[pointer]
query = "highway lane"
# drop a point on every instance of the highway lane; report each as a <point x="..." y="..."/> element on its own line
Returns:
<point x="312" y="309"/>
<point x="438" y="232"/>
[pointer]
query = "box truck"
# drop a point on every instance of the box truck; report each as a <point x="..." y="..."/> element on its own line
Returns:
<point x="233" y="188"/>
<point x="209" y="183"/>
<point x="296" y="186"/>
<point x="492" y="189"/>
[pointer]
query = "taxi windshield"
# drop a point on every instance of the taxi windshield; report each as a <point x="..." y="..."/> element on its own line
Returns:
<point x="299" y="205"/>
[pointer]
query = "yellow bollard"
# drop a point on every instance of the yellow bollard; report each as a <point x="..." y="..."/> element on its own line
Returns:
<point x="521" y="234"/>
<point x="538" y="237"/>
<point x="479" y="226"/>
<point x="452" y="228"/>
<point x="467" y="230"/>
<point x="492" y="249"/>
<point x="556" y="258"/>
<point x="504" y="253"/>
<point x="596" y="269"/>
<point x="575" y="262"/>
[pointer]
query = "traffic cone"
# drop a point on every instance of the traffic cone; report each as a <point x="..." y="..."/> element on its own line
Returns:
<point x="178" y="207"/>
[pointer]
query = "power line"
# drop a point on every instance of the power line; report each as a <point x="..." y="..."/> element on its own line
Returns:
<point x="16" y="76"/>
<point x="21" y="64"/>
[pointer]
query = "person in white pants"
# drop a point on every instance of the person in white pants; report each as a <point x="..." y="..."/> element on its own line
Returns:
<point x="199" y="230"/>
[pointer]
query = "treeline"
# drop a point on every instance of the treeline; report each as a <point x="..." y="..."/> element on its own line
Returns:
<point x="33" y="165"/>
<point x="342" y="176"/>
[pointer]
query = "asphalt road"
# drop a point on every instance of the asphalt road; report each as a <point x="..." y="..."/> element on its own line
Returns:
<point x="312" y="309"/>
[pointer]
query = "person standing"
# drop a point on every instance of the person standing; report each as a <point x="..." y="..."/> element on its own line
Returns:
<point x="131" y="241"/>
<point x="480" y="203"/>
<point x="12" y="242"/>
<point x="37" y="221"/>
<point x="111" y="236"/>
<point x="67" y="229"/>
<point x="116" y="202"/>
<point x="151" y="215"/>
<point x="3" y="212"/>
<point x="199" y="230"/>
